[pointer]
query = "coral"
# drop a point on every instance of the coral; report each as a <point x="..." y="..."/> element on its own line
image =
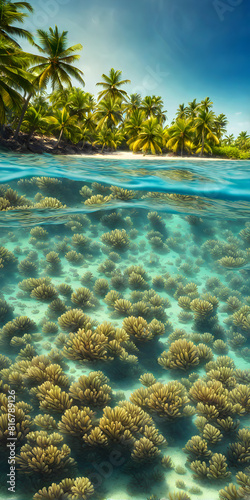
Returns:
<point x="181" y="355"/>
<point x="180" y="484"/>
<point x="44" y="292"/>
<point x="73" y="257"/>
<point x="39" y="233"/>
<point x="52" y="398"/>
<point x="65" y="289"/>
<point x="76" y="422"/>
<point x="211" y="434"/>
<point x="168" y="401"/>
<point x="55" y="308"/>
<point x="5" y="311"/>
<point x="117" y="239"/>
<point x="147" y="379"/>
<point x="144" y="450"/>
<point x="118" y="281"/>
<point x="49" y="202"/>
<point x="49" y="327"/>
<point x="180" y="470"/>
<point x="101" y="287"/>
<point x="231" y="262"/>
<point x="122" y="194"/>
<point x="98" y="199"/>
<point x="74" y="319"/>
<point x="229" y="493"/>
<point x="218" y="467"/>
<point x="4" y="362"/>
<point x="111" y="297"/>
<point x="137" y="282"/>
<point x="7" y="259"/>
<point x="196" y="447"/>
<point x="184" y="302"/>
<point x="85" y="192"/>
<point x="180" y="495"/>
<point x="54" y="263"/>
<point x="80" y="242"/>
<point x="46" y="422"/>
<point x="91" y="390"/>
<point x="44" y="461"/>
<point x="201" y="308"/>
<point x="27" y="268"/>
<point x="240" y="396"/>
<point x="167" y="462"/>
<point x="32" y="283"/>
<point x="220" y="347"/>
<point x="82" y="297"/>
<point x="158" y="282"/>
<point x="200" y="469"/>
<point x="107" y="267"/>
<point x="122" y="307"/>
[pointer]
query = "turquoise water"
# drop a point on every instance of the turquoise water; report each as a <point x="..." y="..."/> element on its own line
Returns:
<point x="124" y="328"/>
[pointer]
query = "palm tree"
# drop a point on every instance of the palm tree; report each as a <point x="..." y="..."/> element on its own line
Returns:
<point x="192" y="109"/>
<point x="11" y="12"/>
<point x="79" y="103"/>
<point x="109" y="112"/>
<point x="63" y="123"/>
<point x="205" y="128"/>
<point x="229" y="140"/>
<point x="206" y="104"/>
<point x="13" y="78"/>
<point x="181" y="111"/>
<point x="152" y="106"/>
<point x="55" y="65"/>
<point x="150" y="138"/>
<point x="220" y="124"/>
<point x="133" y="126"/>
<point x="108" y="138"/>
<point x="34" y="121"/>
<point x="112" y="84"/>
<point x="242" y="140"/>
<point x="179" y="136"/>
<point x="132" y="105"/>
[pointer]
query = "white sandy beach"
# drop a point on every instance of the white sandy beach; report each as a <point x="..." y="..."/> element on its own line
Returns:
<point x="129" y="155"/>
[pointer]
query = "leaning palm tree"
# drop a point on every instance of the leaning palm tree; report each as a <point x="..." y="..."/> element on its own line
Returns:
<point x="220" y="124"/>
<point x="108" y="112"/>
<point x="55" y="65"/>
<point x="150" y="138"/>
<point x="10" y="13"/>
<point x="112" y="85"/>
<point x="205" y="129"/>
<point x="13" y="78"/>
<point x="179" y="136"/>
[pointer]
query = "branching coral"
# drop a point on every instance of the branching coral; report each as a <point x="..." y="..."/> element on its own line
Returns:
<point x="92" y="390"/>
<point x="52" y="398"/>
<point x="83" y="297"/>
<point x="117" y="239"/>
<point x="44" y="292"/>
<point x="74" y="319"/>
<point x="182" y="355"/>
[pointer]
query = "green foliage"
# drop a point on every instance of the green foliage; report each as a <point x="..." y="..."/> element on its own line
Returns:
<point x="231" y="152"/>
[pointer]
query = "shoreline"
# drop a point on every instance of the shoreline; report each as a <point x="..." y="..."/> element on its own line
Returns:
<point x="129" y="155"/>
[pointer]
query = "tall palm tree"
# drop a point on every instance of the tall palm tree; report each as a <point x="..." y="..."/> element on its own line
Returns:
<point x="112" y="85"/>
<point x="181" y="111"/>
<point x="133" y="125"/>
<point x="220" y="124"/>
<point x="150" y="138"/>
<point x="205" y="128"/>
<point x="55" y="65"/>
<point x="13" y="78"/>
<point x="152" y="106"/>
<point x="79" y="102"/>
<point x="108" y="112"/>
<point x="109" y="138"/>
<point x="10" y="13"/>
<point x="206" y="104"/>
<point x="132" y="105"/>
<point x="192" y="109"/>
<point x="179" y="136"/>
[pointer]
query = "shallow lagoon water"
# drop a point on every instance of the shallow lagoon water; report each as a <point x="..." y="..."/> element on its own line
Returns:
<point x="169" y="243"/>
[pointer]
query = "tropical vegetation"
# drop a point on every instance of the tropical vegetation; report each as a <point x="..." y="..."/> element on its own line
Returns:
<point x="42" y="95"/>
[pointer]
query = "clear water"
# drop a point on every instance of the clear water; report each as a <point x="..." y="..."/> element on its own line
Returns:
<point x="180" y="258"/>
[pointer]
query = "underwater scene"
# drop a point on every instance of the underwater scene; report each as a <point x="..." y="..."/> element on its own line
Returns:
<point x="124" y="329"/>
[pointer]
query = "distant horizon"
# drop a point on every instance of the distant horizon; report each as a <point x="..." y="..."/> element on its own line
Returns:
<point x="179" y="52"/>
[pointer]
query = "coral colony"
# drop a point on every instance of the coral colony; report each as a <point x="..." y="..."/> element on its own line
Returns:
<point x="124" y="344"/>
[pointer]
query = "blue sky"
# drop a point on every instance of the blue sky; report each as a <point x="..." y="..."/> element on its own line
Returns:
<point x="178" y="49"/>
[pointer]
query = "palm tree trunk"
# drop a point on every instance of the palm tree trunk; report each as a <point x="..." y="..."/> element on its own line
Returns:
<point x="25" y="107"/>
<point x="181" y="148"/>
<point x="30" y="135"/>
<point x="59" y="139"/>
<point x="202" y="143"/>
